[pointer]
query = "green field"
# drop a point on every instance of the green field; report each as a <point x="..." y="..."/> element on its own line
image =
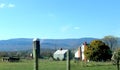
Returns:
<point x="56" y="65"/>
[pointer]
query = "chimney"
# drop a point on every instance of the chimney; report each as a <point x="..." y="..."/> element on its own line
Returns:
<point x="79" y="53"/>
<point x="85" y="43"/>
<point x="61" y="49"/>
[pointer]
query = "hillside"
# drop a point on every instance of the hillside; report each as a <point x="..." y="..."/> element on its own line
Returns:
<point x="26" y="43"/>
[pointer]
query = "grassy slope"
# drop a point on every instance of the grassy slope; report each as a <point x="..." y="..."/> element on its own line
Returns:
<point x="56" y="65"/>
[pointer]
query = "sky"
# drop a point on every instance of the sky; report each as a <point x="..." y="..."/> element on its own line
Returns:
<point x="59" y="19"/>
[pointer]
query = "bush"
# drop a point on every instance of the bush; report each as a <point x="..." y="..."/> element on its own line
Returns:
<point x="98" y="51"/>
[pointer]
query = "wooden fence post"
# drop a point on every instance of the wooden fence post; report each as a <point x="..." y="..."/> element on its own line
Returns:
<point x="36" y="53"/>
<point x="68" y="60"/>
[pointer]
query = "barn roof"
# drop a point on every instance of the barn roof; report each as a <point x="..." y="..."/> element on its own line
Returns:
<point x="60" y="51"/>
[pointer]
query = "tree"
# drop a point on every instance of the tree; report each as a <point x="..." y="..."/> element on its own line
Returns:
<point x="98" y="51"/>
<point x="116" y="57"/>
<point x="111" y="41"/>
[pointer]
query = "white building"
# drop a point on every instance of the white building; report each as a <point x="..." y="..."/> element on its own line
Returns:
<point x="60" y="54"/>
<point x="79" y="54"/>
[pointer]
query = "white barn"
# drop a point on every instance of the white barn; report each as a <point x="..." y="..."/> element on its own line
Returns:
<point x="60" y="54"/>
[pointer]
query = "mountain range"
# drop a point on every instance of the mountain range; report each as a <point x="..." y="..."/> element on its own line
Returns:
<point x="26" y="43"/>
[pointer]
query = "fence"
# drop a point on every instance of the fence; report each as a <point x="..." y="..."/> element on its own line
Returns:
<point x="36" y="55"/>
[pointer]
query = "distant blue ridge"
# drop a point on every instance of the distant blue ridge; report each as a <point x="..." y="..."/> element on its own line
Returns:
<point x="26" y="43"/>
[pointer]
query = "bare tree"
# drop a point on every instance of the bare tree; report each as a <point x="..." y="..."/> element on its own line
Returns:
<point x="116" y="58"/>
<point x="111" y="41"/>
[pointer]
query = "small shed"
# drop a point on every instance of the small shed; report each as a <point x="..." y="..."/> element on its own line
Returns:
<point x="11" y="59"/>
<point x="60" y="54"/>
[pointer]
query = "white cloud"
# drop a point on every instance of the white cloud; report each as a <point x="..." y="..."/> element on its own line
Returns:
<point x="65" y="28"/>
<point x="76" y="28"/>
<point x="69" y="28"/>
<point x="10" y="5"/>
<point x="2" y="5"/>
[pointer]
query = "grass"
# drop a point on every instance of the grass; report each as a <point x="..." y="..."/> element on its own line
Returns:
<point x="56" y="65"/>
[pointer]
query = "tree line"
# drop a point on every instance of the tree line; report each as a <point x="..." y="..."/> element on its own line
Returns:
<point x="104" y="49"/>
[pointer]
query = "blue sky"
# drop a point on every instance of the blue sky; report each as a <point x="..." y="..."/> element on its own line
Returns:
<point x="59" y="19"/>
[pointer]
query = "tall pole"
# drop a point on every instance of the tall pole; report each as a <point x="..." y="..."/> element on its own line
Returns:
<point x="68" y="60"/>
<point x="36" y="52"/>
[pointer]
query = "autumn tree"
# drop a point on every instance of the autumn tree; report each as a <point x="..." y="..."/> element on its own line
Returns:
<point x="98" y="51"/>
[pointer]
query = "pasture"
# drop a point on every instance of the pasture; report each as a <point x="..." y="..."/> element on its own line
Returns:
<point x="56" y="65"/>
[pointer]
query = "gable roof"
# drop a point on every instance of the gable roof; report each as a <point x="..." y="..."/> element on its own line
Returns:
<point x="60" y="51"/>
